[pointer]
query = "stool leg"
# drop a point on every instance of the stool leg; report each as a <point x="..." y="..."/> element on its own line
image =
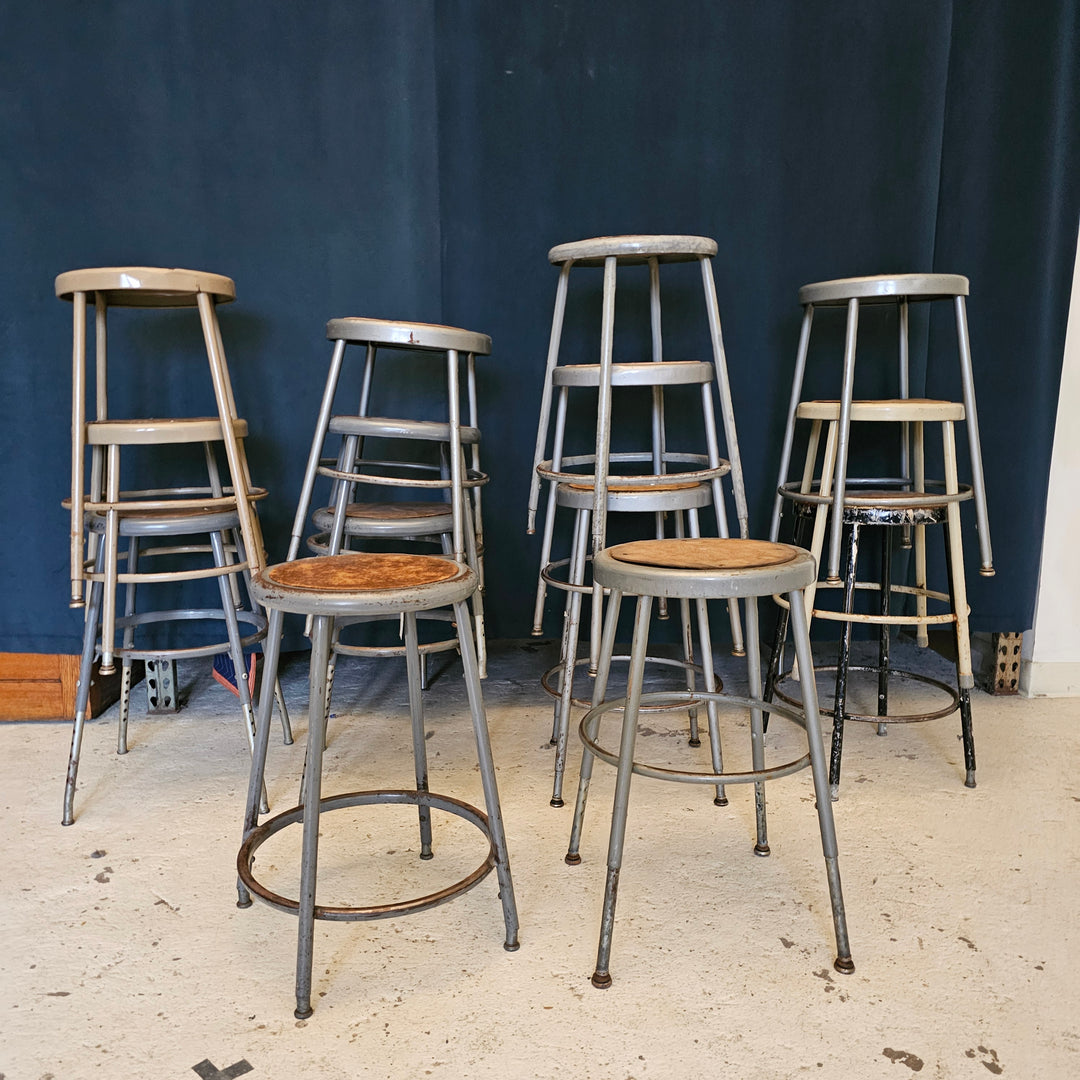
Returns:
<point x="549" y="517"/>
<point x="235" y="647"/>
<point x="978" y="484"/>
<point x="309" y="853"/>
<point x="922" y="638"/>
<point x="843" y="660"/>
<point x="601" y="977"/>
<point x="958" y="592"/>
<point x="569" y="656"/>
<point x="129" y="640"/>
<point x="843" y="962"/>
<point x="883" y="633"/>
<point x="840" y="479"/>
<point x="111" y="544"/>
<point x="720" y="798"/>
<point x="416" y="712"/>
<point x="545" y="399"/>
<point x="709" y="418"/>
<point x="82" y="694"/>
<point x="789" y="430"/>
<point x="256" y="788"/>
<point x="603" y="671"/>
<point x="757" y="734"/>
<point x="688" y="643"/>
<point x="487" y="776"/>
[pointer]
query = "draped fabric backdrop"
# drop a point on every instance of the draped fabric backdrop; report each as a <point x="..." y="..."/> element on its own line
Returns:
<point x="418" y="160"/>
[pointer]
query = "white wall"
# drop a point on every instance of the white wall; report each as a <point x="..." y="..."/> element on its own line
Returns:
<point x="1051" y="656"/>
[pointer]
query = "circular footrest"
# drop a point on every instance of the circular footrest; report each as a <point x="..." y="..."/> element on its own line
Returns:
<point x="547" y="681"/>
<point x="681" y="700"/>
<point x="261" y="833"/>
<point x="143" y="618"/>
<point x="898" y="718"/>
<point x="425" y="648"/>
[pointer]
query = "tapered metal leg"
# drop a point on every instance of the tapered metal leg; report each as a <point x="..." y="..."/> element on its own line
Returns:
<point x="709" y="675"/>
<point x="271" y="657"/>
<point x="883" y="633"/>
<point x="844" y="426"/>
<point x="842" y="663"/>
<point x="321" y="630"/>
<point x="757" y="734"/>
<point x="603" y="673"/>
<point x="129" y="640"/>
<point x="571" y="626"/>
<point x="601" y="977"/>
<point x="843" y="962"/>
<point x="82" y="693"/>
<point x="416" y="712"/>
<point x="487" y="776"/>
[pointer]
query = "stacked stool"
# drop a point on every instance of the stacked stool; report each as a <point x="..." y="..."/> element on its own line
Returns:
<point x="826" y="496"/>
<point x="702" y="570"/>
<point x="102" y="512"/>
<point x="399" y="463"/>
<point x="352" y="585"/>
<point x="654" y="480"/>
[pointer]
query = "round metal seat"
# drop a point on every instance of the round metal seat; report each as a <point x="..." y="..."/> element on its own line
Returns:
<point x="884" y="288"/>
<point x="633" y="250"/>
<point x="699" y="570"/>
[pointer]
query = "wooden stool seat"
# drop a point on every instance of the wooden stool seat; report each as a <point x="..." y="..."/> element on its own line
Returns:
<point x="886" y="410"/>
<point x="704" y="553"/>
<point x="363" y="571"/>
<point x="633" y="250"/>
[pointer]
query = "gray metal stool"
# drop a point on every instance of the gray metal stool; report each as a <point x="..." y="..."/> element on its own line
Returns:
<point x="900" y="290"/>
<point x="911" y="503"/>
<point x="368" y="584"/>
<point x="198" y="522"/>
<point x="652" y="480"/>
<point x="702" y="570"/>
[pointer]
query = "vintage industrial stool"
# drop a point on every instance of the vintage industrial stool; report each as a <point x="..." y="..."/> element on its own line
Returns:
<point x="399" y="463"/>
<point x="702" y="570"/>
<point x="199" y="522"/>
<point x="357" y="584"/>
<point x="900" y="290"/>
<point x="625" y="481"/>
<point x="909" y="503"/>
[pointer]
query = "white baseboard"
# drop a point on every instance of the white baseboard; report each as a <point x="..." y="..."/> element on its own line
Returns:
<point x="1049" y="679"/>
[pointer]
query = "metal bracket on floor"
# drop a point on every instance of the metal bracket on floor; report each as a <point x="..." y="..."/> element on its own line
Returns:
<point x="161" y="697"/>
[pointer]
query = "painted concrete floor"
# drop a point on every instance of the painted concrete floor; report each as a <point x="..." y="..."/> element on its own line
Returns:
<point x="124" y="956"/>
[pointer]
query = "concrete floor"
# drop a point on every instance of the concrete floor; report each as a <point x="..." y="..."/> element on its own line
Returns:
<point x="124" y="955"/>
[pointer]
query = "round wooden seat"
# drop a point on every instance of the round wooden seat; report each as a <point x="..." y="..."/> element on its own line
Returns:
<point x="408" y="335"/>
<point x="363" y="572"/>
<point x="883" y="288"/>
<point x="704" y="553"/>
<point x="885" y="410"/>
<point x="704" y="568"/>
<point x="631" y="250"/>
<point x="146" y="286"/>
<point x="387" y="511"/>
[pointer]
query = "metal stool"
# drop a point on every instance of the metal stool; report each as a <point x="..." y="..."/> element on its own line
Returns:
<point x="363" y="584"/>
<point x="102" y="512"/>
<point x="651" y="480"/>
<point x="702" y="570"/>
<point x="408" y="469"/>
<point x="901" y="290"/>
<point x="909" y="503"/>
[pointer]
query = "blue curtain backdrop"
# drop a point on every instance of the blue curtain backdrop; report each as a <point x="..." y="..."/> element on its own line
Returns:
<point x="418" y="161"/>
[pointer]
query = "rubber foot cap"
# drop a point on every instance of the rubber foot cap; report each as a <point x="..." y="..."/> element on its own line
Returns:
<point x="762" y="850"/>
<point x="425" y="855"/>
<point x="303" y="1014"/>
<point x="969" y="780"/>
<point x="601" y="980"/>
<point x="695" y="743"/>
<point x="720" y="800"/>
<point x="572" y="860"/>
<point x="557" y="803"/>
<point x="511" y="946"/>
<point x="844" y="964"/>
